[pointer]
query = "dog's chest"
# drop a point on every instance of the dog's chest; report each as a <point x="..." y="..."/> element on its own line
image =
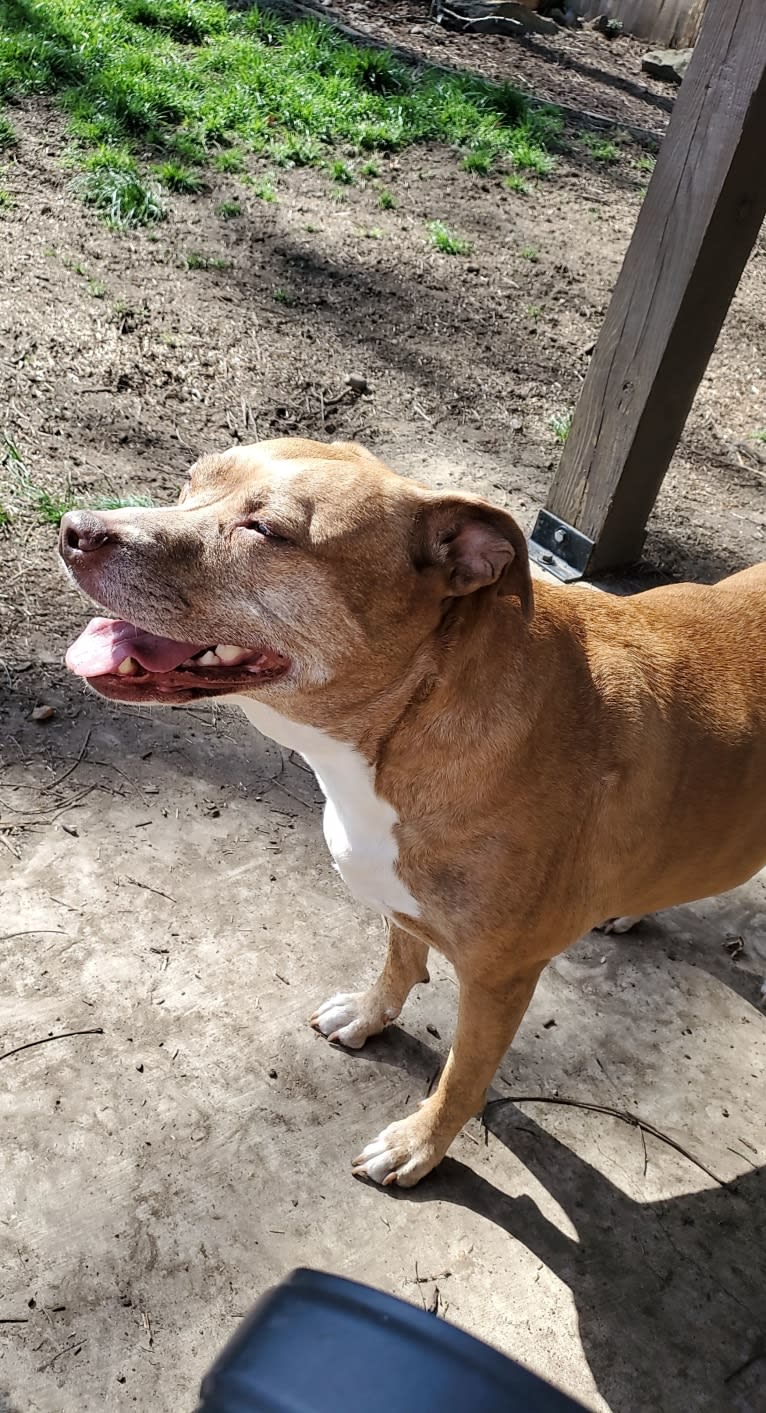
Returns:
<point x="359" y="826"/>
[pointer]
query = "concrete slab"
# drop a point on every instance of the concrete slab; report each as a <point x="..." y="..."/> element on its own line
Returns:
<point x="157" y="1177"/>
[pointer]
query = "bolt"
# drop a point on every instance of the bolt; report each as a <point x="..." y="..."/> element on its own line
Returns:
<point x="547" y="557"/>
<point x="560" y="537"/>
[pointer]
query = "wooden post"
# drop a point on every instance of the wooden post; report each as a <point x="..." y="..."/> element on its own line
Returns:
<point x="698" y="223"/>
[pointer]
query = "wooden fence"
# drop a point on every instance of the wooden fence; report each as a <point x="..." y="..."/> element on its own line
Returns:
<point x="672" y="23"/>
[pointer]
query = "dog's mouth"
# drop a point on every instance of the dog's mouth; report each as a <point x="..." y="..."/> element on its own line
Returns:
<point x="128" y="664"/>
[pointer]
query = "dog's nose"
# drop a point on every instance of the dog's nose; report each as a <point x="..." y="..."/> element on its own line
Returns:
<point x="82" y="531"/>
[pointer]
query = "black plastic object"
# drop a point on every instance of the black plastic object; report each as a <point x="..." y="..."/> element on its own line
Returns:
<point x="318" y="1344"/>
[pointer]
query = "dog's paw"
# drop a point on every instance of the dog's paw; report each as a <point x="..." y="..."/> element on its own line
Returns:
<point x="350" y="1018"/>
<point x="403" y="1153"/>
<point x="618" y="924"/>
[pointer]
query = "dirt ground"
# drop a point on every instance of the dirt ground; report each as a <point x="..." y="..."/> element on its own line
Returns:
<point x="164" y="880"/>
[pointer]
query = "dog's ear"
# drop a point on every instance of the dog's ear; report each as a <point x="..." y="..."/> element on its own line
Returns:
<point x="472" y="545"/>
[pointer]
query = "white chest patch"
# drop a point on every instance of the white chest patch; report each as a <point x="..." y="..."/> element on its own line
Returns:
<point x="358" y="824"/>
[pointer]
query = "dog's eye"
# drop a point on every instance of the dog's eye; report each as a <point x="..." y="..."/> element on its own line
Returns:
<point x="268" y="531"/>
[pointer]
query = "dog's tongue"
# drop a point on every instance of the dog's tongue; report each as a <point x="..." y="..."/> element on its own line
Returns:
<point x="106" y="643"/>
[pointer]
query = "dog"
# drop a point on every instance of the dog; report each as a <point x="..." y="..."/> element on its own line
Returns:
<point x="504" y="766"/>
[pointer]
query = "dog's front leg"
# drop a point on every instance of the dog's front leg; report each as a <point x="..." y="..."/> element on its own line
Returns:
<point x="487" y="1022"/>
<point x="352" y="1017"/>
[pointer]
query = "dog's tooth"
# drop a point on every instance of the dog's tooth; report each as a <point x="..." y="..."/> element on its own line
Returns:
<point x="229" y="653"/>
<point x="128" y="667"/>
<point x="208" y="659"/>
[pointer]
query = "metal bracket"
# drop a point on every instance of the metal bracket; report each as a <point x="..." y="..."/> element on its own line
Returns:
<point x="559" y="548"/>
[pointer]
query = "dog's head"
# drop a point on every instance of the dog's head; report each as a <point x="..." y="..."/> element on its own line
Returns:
<point x="285" y="567"/>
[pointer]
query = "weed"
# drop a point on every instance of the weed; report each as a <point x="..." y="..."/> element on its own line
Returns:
<point x="227" y="210"/>
<point x="386" y="200"/>
<point x="112" y="185"/>
<point x="96" y="290"/>
<point x="760" y="436"/>
<point x="283" y="296"/>
<point x="342" y="173"/>
<point x="6" y="517"/>
<point x="370" y="169"/>
<point x="312" y="230"/>
<point x="645" y="163"/>
<point x="231" y="161"/>
<point x="529" y="253"/>
<point x="6" y="200"/>
<point x="8" y="136"/>
<point x="599" y="149"/>
<point x="176" y="177"/>
<point x="560" y="424"/>
<point x="196" y="260"/>
<point x="443" y="240"/>
<point x="517" y="184"/>
<point x="263" y="188"/>
<point x="534" y="311"/>
<point x="373" y="233"/>
<point x="479" y="161"/>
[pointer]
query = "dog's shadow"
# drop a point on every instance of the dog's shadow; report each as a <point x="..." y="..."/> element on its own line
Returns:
<point x="670" y="1295"/>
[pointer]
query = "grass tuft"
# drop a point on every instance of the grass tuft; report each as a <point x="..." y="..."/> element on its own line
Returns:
<point x="112" y="184"/>
<point x="177" y="177"/>
<point x="479" y="160"/>
<point x="8" y="136"/>
<point x="445" y="241"/>
<point x="342" y="173"/>
<point x="560" y="424"/>
<point x="517" y="184"/>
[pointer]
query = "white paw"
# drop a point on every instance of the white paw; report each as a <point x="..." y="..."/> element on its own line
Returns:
<point x="618" y="924"/>
<point x="350" y="1018"/>
<point x="403" y="1153"/>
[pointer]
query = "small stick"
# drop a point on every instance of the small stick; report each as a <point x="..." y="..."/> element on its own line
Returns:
<point x="624" y="1114"/>
<point x="138" y="884"/>
<point x="65" y="1035"/>
<point x="72" y="768"/>
<point x="34" y="932"/>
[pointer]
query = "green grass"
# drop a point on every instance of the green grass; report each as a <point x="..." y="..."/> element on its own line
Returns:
<point x="8" y="136"/>
<point x="197" y="260"/>
<point x="113" y="185"/>
<point x="386" y="200"/>
<point x="231" y="161"/>
<point x="48" y="507"/>
<point x="227" y="210"/>
<point x="264" y="189"/>
<point x="599" y="149"/>
<point x="560" y="424"/>
<point x="479" y="161"/>
<point x="191" y="82"/>
<point x="178" y="177"/>
<point x="529" y="253"/>
<point x="445" y="241"/>
<point x="284" y="296"/>
<point x="760" y="436"/>
<point x="517" y="184"/>
<point x="370" y="169"/>
<point x="6" y="200"/>
<point x="342" y="173"/>
<point x="95" y="289"/>
<point x="645" y="163"/>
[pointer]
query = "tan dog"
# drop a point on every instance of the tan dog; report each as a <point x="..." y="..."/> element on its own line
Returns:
<point x="500" y="776"/>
